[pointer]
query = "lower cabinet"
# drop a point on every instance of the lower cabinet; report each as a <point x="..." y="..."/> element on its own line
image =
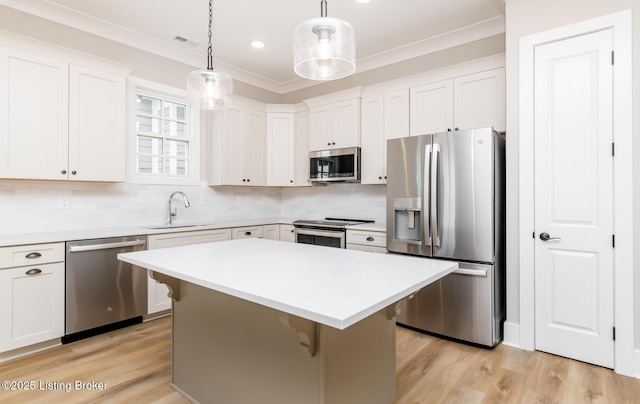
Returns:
<point x="287" y="233"/>
<point x="271" y="231"/>
<point x="367" y="240"/>
<point x="157" y="293"/>
<point x="31" y="295"/>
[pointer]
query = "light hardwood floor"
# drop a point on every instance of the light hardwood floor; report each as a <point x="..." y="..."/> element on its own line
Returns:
<point x="135" y="365"/>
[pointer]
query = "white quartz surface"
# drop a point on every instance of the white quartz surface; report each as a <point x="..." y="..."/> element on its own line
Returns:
<point x="331" y="286"/>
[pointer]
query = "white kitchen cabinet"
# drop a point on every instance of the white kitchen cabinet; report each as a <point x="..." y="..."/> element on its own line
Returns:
<point x="384" y="117"/>
<point x="157" y="293"/>
<point x="479" y="100"/>
<point x="97" y="125"/>
<point x="271" y="232"/>
<point x="287" y="149"/>
<point x="62" y="121"/>
<point x="367" y="240"/>
<point x="246" y="232"/>
<point x="238" y="148"/>
<point x="287" y="233"/>
<point x="301" y="150"/>
<point x="466" y="102"/>
<point x="31" y="295"/>
<point x="334" y="126"/>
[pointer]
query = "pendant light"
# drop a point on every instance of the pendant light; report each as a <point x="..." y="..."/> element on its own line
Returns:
<point x="324" y="48"/>
<point x="208" y="89"/>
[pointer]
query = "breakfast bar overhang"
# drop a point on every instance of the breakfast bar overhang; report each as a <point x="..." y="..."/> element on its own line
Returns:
<point x="265" y="321"/>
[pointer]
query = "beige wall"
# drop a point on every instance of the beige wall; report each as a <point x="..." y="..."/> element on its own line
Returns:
<point x="526" y="17"/>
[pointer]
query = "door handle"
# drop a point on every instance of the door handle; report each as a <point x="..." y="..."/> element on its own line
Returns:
<point x="546" y="237"/>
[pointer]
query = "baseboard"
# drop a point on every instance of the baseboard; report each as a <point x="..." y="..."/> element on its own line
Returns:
<point x="511" y="334"/>
<point x="28" y="350"/>
<point x="636" y="363"/>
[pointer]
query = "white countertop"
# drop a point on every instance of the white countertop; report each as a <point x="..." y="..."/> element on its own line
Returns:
<point x="331" y="286"/>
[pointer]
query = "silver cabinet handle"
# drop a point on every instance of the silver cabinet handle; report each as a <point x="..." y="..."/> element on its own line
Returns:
<point x="92" y="247"/>
<point x="370" y="239"/>
<point x="33" y="255"/>
<point x="34" y="271"/>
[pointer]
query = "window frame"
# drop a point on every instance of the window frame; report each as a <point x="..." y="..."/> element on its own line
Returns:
<point x="151" y="89"/>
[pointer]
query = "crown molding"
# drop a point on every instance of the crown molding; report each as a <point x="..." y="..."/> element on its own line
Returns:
<point x="53" y="12"/>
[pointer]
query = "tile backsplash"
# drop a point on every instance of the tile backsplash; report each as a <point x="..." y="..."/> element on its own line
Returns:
<point x="34" y="206"/>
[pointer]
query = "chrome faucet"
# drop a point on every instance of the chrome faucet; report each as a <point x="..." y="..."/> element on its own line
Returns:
<point x="172" y="212"/>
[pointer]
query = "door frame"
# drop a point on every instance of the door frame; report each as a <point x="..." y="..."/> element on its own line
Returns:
<point x="621" y="24"/>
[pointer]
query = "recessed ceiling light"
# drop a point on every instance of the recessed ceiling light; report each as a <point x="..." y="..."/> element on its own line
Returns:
<point x="257" y="44"/>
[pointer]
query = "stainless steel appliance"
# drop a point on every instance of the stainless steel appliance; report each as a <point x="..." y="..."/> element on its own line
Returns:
<point x="103" y="292"/>
<point x="445" y="199"/>
<point x="330" y="232"/>
<point x="336" y="165"/>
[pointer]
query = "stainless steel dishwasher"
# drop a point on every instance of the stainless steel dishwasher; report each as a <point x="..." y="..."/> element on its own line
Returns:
<point x="102" y="292"/>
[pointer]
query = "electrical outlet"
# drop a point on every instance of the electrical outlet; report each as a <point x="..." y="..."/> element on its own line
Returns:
<point x="63" y="202"/>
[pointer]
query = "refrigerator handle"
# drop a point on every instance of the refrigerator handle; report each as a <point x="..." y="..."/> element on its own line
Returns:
<point x="426" y="223"/>
<point x="435" y="194"/>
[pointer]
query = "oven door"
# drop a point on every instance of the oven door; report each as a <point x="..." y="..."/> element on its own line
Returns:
<point x="323" y="237"/>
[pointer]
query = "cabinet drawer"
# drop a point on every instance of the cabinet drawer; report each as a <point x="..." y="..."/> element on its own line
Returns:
<point x="374" y="238"/>
<point x="246" y="232"/>
<point x="187" y="238"/>
<point x="34" y="254"/>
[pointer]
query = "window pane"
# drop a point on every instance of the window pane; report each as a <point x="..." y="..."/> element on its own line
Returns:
<point x="149" y="164"/>
<point x="175" y="166"/>
<point x="173" y="111"/>
<point x="149" y="145"/>
<point x="177" y="148"/>
<point x="148" y="105"/>
<point x="146" y="124"/>
<point x="175" y="129"/>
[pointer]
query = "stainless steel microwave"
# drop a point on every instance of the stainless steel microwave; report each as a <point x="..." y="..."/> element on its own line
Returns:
<point x="336" y="165"/>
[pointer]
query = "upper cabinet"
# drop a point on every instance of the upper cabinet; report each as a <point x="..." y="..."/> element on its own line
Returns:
<point x="334" y="126"/>
<point x="384" y="117"/>
<point x="237" y="152"/>
<point x="287" y="147"/>
<point x="470" y="101"/>
<point x="61" y="121"/>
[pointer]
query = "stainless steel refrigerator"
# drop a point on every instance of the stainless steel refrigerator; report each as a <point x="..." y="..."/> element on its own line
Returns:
<point x="446" y="200"/>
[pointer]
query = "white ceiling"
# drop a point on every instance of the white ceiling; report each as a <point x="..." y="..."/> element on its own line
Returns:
<point x="386" y="31"/>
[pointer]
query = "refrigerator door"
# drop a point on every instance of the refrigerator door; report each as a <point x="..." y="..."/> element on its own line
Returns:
<point x="460" y="306"/>
<point x="408" y="226"/>
<point x="462" y="195"/>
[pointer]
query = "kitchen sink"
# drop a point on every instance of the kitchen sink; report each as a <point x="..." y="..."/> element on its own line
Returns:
<point x="176" y="226"/>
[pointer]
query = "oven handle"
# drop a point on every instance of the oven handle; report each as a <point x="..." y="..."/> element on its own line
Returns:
<point x="106" y="246"/>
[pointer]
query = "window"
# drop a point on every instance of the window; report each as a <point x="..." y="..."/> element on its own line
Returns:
<point x="163" y="146"/>
<point x="163" y="139"/>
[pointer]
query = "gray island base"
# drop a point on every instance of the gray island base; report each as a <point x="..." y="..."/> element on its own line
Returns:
<point x="261" y="321"/>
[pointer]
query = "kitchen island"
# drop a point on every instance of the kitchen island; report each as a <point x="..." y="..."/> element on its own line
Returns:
<point x="265" y="321"/>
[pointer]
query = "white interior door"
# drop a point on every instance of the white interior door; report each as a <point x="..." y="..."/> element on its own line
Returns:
<point x="574" y="198"/>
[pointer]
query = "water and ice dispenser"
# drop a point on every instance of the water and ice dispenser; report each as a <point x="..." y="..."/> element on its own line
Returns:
<point x="407" y="219"/>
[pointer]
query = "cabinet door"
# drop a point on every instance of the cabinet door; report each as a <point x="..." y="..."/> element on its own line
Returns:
<point x="301" y="150"/>
<point x="280" y="149"/>
<point x="479" y="100"/>
<point x="157" y="293"/>
<point x="97" y="110"/>
<point x="396" y="121"/>
<point x="431" y="108"/>
<point x="346" y="124"/>
<point x="253" y="149"/>
<point x="271" y="232"/>
<point x="373" y="142"/>
<point x="287" y="233"/>
<point x="232" y="145"/>
<point x="31" y="305"/>
<point x="34" y="103"/>
<point x="320" y="136"/>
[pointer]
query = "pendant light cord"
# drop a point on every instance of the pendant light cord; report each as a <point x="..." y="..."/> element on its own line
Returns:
<point x="210" y="49"/>
<point x="323" y="8"/>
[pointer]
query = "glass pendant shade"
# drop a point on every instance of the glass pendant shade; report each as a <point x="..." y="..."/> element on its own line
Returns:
<point x="209" y="90"/>
<point x="324" y="49"/>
